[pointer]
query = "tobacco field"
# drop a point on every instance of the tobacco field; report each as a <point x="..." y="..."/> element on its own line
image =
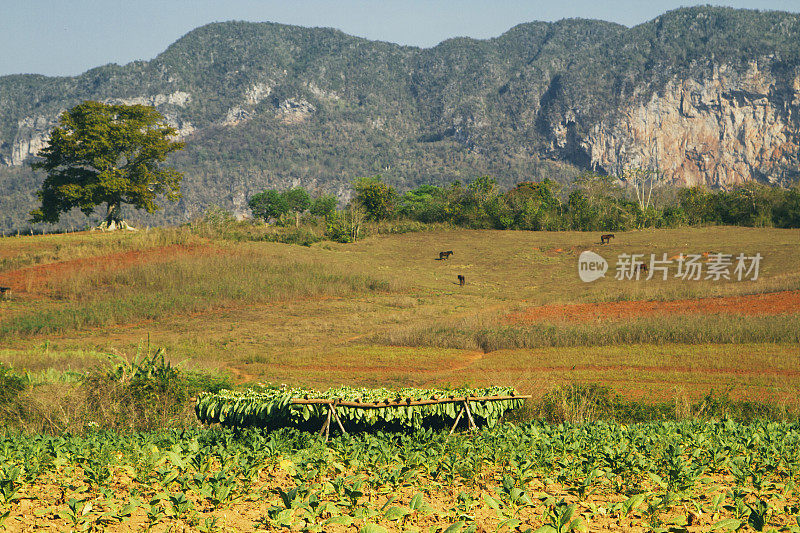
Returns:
<point x="669" y="476"/>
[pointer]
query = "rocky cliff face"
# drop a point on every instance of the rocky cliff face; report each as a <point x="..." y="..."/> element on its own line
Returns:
<point x="31" y="136"/>
<point x="32" y="131"/>
<point x="721" y="130"/>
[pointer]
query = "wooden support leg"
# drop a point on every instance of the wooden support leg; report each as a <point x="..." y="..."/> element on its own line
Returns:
<point x="326" y="426"/>
<point x="472" y="425"/>
<point x="452" y="429"/>
<point x="336" y="417"/>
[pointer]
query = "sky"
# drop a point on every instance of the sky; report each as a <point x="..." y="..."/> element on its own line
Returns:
<point x="68" y="37"/>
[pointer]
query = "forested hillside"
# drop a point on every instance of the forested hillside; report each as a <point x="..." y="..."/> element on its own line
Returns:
<point x="703" y="95"/>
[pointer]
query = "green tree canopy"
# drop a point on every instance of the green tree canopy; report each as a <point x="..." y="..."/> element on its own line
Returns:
<point x="377" y="198"/>
<point x="268" y="204"/>
<point x="299" y="201"/>
<point x="426" y="203"/>
<point x="107" y="154"/>
<point x="324" y="206"/>
<point x="272" y="204"/>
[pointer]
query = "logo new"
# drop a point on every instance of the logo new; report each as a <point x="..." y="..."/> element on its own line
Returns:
<point x="591" y="266"/>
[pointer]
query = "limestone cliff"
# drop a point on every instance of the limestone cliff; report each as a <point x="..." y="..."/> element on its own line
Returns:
<point x="722" y="130"/>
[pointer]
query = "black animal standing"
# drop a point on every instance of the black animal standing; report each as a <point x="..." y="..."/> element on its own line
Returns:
<point x="445" y="255"/>
<point x="604" y="239"/>
<point x="461" y="280"/>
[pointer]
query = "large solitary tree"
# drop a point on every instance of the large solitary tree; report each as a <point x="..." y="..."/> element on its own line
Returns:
<point x="107" y="154"/>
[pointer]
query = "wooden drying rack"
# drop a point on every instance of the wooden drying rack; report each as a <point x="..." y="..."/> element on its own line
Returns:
<point x="334" y="403"/>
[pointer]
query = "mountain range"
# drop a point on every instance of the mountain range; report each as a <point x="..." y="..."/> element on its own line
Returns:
<point x="703" y="95"/>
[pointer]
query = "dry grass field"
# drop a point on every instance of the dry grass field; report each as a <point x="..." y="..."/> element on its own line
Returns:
<point x="387" y="312"/>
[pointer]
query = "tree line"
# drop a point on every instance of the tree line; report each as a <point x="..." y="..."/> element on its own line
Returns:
<point x="591" y="203"/>
<point x="112" y="154"/>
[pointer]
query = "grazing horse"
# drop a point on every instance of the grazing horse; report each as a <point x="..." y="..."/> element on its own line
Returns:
<point x="445" y="255"/>
<point x="604" y="239"/>
<point x="642" y="267"/>
<point x="461" y="280"/>
<point x="3" y="291"/>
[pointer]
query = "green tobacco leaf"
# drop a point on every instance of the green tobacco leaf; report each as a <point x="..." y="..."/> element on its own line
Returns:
<point x="632" y="503"/>
<point x="510" y="523"/>
<point x="657" y="480"/>
<point x="396" y="513"/>
<point x="491" y="502"/>
<point x="417" y="501"/>
<point x="456" y="528"/>
<point x="567" y="516"/>
<point x="372" y="528"/>
<point x="578" y="525"/>
<point x="339" y="520"/>
<point x="728" y="524"/>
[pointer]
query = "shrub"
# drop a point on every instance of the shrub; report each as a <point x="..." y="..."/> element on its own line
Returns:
<point x="141" y="395"/>
<point x="11" y="385"/>
<point x="576" y="403"/>
<point x="338" y="229"/>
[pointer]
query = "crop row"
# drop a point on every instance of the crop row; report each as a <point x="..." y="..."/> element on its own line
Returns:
<point x="660" y="477"/>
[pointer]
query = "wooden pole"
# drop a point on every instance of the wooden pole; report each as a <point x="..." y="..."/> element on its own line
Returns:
<point x="401" y="403"/>
<point x="326" y="425"/>
<point x="336" y="417"/>
<point x="472" y="425"/>
<point x="452" y="429"/>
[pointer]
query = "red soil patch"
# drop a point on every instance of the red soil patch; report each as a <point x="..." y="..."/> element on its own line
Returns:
<point x="774" y="303"/>
<point x="33" y="280"/>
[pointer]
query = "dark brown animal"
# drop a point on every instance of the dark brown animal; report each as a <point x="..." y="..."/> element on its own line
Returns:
<point x="604" y="239"/>
<point x="3" y="291"/>
<point x="642" y="267"/>
<point x="461" y="280"/>
<point x="445" y="255"/>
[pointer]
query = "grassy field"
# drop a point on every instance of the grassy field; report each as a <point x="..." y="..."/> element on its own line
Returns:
<point x="88" y="316"/>
<point x="387" y="312"/>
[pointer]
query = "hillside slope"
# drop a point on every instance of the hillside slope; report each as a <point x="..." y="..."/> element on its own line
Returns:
<point x="706" y="95"/>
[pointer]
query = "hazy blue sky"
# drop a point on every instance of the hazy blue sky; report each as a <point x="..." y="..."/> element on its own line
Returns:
<point x="68" y="37"/>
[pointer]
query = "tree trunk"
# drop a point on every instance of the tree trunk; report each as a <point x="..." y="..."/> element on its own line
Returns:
<point x="113" y="213"/>
<point x="113" y="220"/>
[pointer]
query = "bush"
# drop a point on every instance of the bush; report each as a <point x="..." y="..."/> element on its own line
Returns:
<point x="338" y="229"/>
<point x="146" y="394"/>
<point x="141" y="395"/>
<point x="721" y="406"/>
<point x="11" y="385"/>
<point x="576" y="403"/>
<point x="301" y="236"/>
